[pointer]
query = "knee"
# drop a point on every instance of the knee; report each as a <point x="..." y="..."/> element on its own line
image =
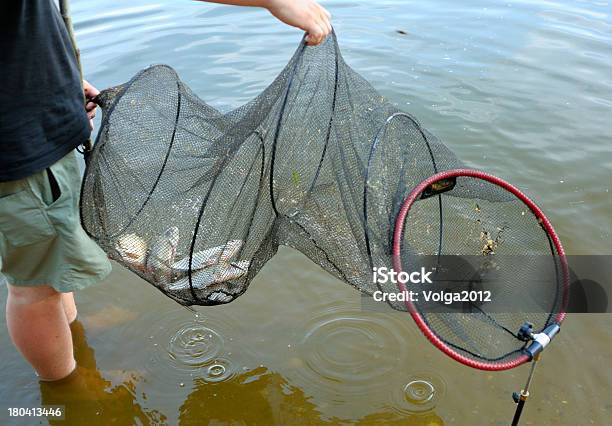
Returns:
<point x="33" y="294"/>
<point x="69" y="306"/>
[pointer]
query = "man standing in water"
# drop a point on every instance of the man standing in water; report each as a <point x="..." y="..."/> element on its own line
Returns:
<point x="44" y="253"/>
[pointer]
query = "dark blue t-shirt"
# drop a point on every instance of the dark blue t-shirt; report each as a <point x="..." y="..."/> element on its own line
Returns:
<point x="42" y="116"/>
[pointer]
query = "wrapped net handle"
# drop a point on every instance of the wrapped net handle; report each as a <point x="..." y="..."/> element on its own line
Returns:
<point x="107" y="96"/>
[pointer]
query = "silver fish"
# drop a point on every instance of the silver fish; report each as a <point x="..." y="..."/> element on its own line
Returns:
<point x="201" y="259"/>
<point x="230" y="250"/>
<point x="209" y="257"/>
<point x="161" y="255"/>
<point x="206" y="279"/>
<point x="219" y="296"/>
<point x="132" y="249"/>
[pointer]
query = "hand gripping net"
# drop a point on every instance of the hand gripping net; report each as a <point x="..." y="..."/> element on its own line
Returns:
<point x="196" y="201"/>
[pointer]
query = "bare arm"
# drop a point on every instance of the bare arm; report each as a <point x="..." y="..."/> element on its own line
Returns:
<point x="307" y="15"/>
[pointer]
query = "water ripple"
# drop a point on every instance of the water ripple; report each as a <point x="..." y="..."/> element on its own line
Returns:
<point x="194" y="345"/>
<point x="350" y="352"/>
<point x="422" y="392"/>
<point x="184" y="347"/>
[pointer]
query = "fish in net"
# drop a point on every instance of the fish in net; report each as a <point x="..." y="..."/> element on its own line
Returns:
<point x="196" y="201"/>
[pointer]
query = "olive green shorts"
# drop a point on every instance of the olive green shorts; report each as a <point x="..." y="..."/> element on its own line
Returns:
<point x="41" y="238"/>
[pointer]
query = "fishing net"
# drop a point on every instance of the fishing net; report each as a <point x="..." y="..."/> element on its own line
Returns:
<point x="196" y="201"/>
<point x="512" y="253"/>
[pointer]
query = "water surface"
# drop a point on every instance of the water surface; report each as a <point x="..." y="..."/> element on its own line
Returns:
<point x="520" y="89"/>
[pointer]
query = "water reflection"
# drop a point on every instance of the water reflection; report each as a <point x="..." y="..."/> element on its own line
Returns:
<point x="519" y="89"/>
<point x="261" y="396"/>
<point x="177" y="346"/>
<point x="257" y="396"/>
<point x="87" y="394"/>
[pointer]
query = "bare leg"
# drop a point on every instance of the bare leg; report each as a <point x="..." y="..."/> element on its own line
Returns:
<point x="69" y="306"/>
<point x="38" y="325"/>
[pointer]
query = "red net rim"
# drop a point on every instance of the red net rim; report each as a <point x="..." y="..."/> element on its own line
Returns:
<point x="397" y="266"/>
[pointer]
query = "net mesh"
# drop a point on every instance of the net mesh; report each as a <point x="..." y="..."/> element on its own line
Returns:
<point x="477" y="245"/>
<point x="196" y="201"/>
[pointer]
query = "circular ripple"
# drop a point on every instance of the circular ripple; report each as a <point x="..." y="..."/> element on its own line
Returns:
<point x="180" y="347"/>
<point x="422" y="392"/>
<point x="352" y="351"/>
<point x="419" y="392"/>
<point x="347" y="349"/>
<point x="194" y="345"/>
<point x="219" y="370"/>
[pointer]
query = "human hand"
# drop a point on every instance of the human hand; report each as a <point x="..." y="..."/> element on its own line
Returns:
<point x="90" y="106"/>
<point x="307" y="15"/>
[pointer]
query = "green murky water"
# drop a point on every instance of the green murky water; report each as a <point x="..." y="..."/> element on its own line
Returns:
<point x="521" y="89"/>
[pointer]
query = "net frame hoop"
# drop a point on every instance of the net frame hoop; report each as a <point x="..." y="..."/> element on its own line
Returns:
<point x="397" y="266"/>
